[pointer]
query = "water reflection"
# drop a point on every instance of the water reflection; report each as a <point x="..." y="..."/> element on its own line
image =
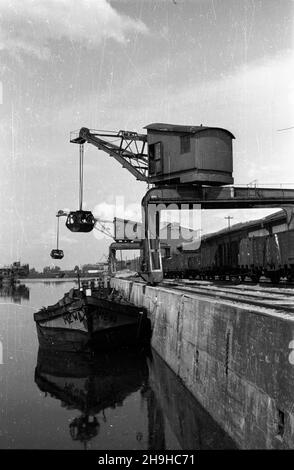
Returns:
<point x="94" y="386"/>
<point x="90" y="385"/>
<point x="15" y="292"/>
<point x="192" y="425"/>
<point x="51" y="282"/>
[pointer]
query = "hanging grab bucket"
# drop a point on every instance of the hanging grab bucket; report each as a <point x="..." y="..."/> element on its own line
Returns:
<point x="80" y="221"/>
<point x="57" y="254"/>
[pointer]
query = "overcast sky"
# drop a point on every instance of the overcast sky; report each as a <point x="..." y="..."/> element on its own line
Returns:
<point x="122" y="65"/>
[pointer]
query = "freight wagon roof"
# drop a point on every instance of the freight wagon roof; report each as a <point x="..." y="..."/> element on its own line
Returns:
<point x="162" y="127"/>
<point x="164" y="224"/>
<point x="276" y="217"/>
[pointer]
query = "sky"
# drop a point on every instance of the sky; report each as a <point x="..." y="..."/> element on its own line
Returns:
<point x="123" y="64"/>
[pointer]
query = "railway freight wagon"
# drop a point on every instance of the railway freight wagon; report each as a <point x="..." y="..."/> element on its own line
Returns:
<point x="271" y="256"/>
<point x="238" y="253"/>
<point x="180" y="265"/>
<point x="279" y="259"/>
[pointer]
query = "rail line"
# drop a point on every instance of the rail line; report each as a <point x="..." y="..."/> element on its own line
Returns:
<point x="267" y="295"/>
<point x="277" y="300"/>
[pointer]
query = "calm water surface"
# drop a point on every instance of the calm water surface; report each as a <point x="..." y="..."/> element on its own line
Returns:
<point x="117" y="401"/>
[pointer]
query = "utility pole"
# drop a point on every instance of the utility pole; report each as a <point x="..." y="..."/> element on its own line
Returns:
<point x="229" y="218"/>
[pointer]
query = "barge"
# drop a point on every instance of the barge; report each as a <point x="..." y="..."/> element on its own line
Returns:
<point x="98" y="321"/>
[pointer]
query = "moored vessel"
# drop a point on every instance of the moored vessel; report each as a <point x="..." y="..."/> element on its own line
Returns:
<point x="97" y="321"/>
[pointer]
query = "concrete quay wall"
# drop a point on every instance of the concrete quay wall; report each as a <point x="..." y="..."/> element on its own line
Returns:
<point x="237" y="360"/>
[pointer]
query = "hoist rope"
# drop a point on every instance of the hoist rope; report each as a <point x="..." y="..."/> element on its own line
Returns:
<point x="81" y="175"/>
<point x="57" y="235"/>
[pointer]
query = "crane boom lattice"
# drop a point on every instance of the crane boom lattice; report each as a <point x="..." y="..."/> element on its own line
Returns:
<point x="127" y="147"/>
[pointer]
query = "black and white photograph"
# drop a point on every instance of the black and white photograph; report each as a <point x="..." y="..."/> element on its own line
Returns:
<point x="147" y="229"/>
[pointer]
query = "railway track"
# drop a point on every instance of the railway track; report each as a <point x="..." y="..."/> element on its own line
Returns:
<point x="262" y="282"/>
<point x="278" y="297"/>
<point x="275" y="298"/>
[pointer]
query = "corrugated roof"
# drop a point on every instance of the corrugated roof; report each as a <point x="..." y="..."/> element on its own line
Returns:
<point x="160" y="126"/>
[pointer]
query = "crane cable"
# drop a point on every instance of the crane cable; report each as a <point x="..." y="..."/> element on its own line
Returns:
<point x="57" y="236"/>
<point x="81" y="175"/>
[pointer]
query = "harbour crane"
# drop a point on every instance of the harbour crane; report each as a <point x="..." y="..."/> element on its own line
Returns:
<point x="186" y="165"/>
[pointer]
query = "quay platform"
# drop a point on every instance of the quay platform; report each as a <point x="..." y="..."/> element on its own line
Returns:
<point x="232" y="347"/>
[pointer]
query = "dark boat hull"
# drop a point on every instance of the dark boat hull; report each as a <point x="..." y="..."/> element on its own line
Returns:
<point x="62" y="339"/>
<point x="92" y="323"/>
<point x="78" y="341"/>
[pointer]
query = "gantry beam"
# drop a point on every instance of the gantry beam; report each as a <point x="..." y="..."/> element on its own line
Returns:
<point x="222" y="197"/>
<point x="186" y="197"/>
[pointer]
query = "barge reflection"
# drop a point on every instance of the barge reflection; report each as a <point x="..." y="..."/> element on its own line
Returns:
<point x="90" y="385"/>
<point x="172" y="416"/>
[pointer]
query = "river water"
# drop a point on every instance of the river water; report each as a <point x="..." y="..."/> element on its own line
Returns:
<point x="117" y="401"/>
